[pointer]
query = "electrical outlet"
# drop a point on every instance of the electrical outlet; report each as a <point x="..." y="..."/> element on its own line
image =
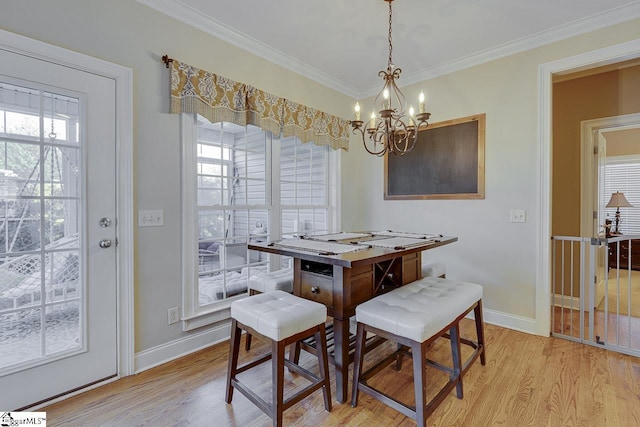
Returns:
<point x="173" y="315"/>
<point x="153" y="218"/>
<point x="518" y="215"/>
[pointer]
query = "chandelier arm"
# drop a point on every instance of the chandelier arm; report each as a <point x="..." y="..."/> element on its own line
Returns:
<point x="407" y="143"/>
<point x="403" y="137"/>
<point x="372" y="135"/>
<point x="384" y="136"/>
<point x="383" y="148"/>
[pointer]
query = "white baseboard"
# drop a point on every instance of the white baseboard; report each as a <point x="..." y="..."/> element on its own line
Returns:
<point x="566" y="301"/>
<point x="158" y="355"/>
<point x="509" y="321"/>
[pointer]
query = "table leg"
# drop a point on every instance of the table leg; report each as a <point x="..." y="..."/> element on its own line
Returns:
<point x="341" y="357"/>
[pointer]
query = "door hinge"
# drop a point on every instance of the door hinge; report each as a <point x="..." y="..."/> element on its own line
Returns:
<point x="595" y="214"/>
<point x="595" y="149"/>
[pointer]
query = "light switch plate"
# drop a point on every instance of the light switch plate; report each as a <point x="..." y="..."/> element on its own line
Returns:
<point x="154" y="218"/>
<point x="518" y="215"/>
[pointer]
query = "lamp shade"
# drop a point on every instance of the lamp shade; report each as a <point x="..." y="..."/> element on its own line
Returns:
<point x="619" y="201"/>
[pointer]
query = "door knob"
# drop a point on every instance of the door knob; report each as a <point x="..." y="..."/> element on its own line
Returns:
<point x="105" y="243"/>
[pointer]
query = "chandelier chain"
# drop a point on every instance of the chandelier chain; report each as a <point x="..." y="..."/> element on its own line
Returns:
<point x="390" y="64"/>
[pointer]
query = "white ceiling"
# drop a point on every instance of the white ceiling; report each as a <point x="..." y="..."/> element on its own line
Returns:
<point x="343" y="43"/>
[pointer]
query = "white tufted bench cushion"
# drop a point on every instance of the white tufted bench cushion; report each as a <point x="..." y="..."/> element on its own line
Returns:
<point x="420" y="309"/>
<point x="278" y="314"/>
<point x="275" y="280"/>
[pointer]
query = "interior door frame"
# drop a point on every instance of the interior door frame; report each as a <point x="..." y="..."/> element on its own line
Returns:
<point x="123" y="78"/>
<point x="608" y="55"/>
<point x="589" y="188"/>
<point x="587" y="173"/>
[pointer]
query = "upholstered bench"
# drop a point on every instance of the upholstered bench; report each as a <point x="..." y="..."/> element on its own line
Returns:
<point x="414" y="316"/>
<point x="280" y="280"/>
<point x="282" y="319"/>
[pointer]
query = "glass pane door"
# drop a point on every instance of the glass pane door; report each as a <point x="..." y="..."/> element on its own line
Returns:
<point x="40" y="291"/>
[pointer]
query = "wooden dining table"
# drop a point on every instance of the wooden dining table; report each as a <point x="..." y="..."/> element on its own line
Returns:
<point x="342" y="270"/>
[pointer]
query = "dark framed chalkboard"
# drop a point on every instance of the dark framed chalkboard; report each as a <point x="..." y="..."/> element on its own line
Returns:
<point x="446" y="163"/>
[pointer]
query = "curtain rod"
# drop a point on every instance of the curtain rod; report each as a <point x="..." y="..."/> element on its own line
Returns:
<point x="166" y="60"/>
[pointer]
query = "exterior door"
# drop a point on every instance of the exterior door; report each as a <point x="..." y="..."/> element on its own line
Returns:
<point x="58" y="278"/>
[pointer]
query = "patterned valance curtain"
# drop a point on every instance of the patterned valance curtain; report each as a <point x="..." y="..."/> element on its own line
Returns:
<point x="221" y="99"/>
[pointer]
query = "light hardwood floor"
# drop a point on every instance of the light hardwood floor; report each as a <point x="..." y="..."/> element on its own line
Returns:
<point x="528" y="381"/>
<point x="622" y="331"/>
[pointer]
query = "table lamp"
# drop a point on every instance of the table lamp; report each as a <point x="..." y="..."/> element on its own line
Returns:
<point x="618" y="201"/>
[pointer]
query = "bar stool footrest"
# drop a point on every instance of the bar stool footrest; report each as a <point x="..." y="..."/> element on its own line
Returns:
<point x="253" y="397"/>
<point x="309" y="344"/>
<point x="253" y="363"/>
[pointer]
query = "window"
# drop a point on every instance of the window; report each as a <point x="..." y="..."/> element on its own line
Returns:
<point x="303" y="187"/>
<point x="242" y="184"/>
<point x="623" y="175"/>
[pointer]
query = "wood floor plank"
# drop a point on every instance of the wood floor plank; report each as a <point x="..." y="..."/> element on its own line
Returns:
<point x="528" y="381"/>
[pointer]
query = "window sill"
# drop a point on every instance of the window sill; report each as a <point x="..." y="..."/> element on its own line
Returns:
<point x="219" y="312"/>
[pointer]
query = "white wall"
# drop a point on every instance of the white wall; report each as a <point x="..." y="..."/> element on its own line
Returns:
<point x="491" y="251"/>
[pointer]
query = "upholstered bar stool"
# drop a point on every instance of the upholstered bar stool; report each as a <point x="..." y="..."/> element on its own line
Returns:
<point x="280" y="280"/>
<point x="414" y="316"/>
<point x="281" y="319"/>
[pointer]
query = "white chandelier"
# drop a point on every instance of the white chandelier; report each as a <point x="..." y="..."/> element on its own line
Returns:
<point x="391" y="130"/>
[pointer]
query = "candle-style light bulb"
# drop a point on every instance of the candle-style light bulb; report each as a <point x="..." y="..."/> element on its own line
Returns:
<point x="421" y="99"/>
<point x="357" y="111"/>
<point x="385" y="95"/>
<point x="372" y="125"/>
<point x="411" y="116"/>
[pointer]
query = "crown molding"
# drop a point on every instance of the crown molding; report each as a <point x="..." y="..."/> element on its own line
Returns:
<point x="184" y="13"/>
<point x="575" y="28"/>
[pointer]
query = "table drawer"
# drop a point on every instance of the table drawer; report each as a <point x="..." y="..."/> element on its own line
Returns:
<point x="317" y="287"/>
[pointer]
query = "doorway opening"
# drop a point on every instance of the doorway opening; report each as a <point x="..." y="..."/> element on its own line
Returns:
<point x="593" y="85"/>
